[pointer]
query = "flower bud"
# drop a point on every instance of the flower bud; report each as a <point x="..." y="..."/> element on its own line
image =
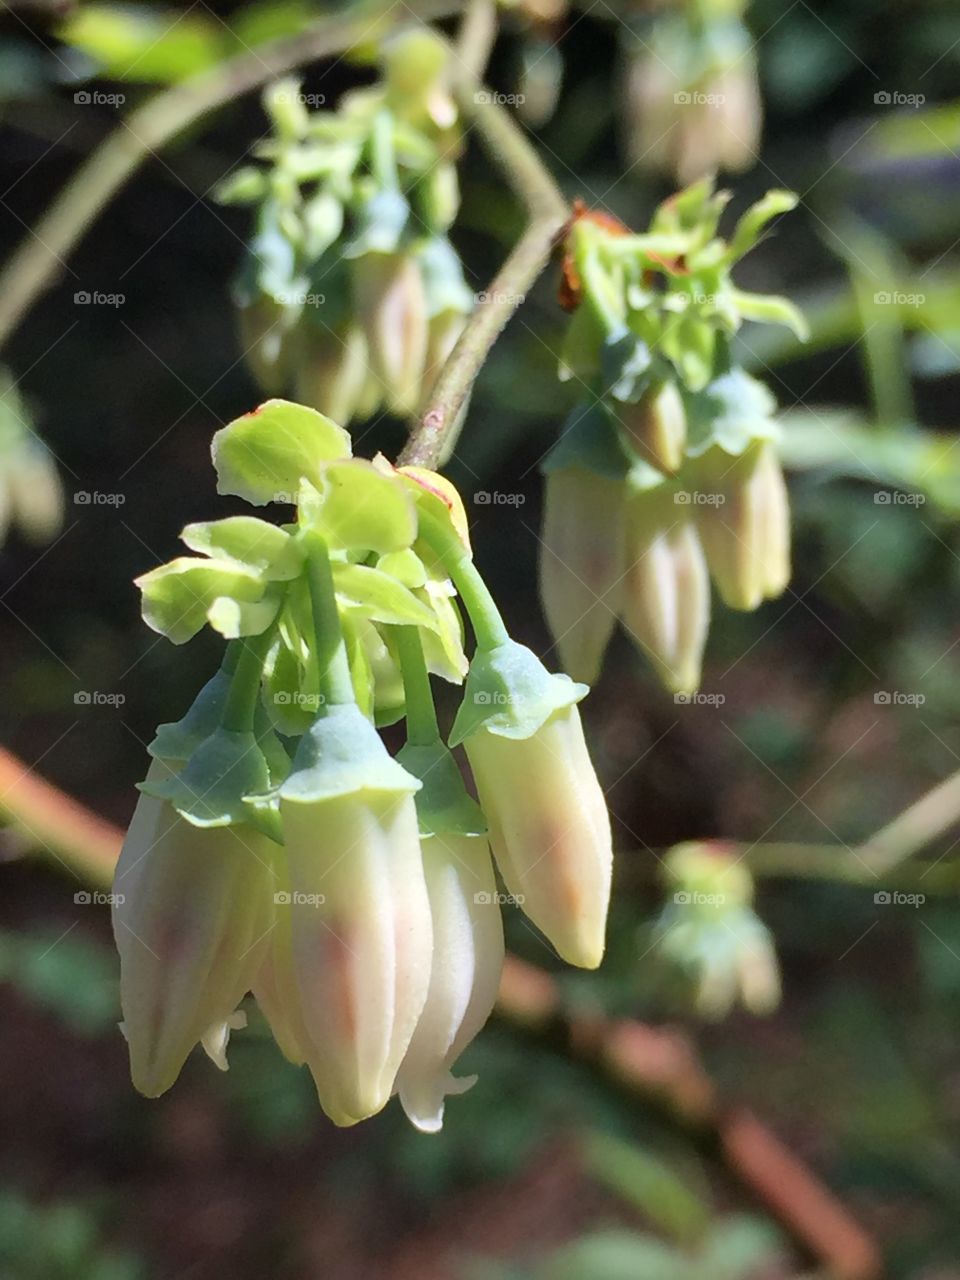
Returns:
<point x="581" y="564"/>
<point x="549" y="829"/>
<point x="361" y="937"/>
<point x="265" y="340"/>
<point x="656" y="426"/>
<point x="746" y="532"/>
<point x="360" y="928"/>
<point x="193" y="908"/>
<point x="332" y="371"/>
<point x="464" y="977"/>
<point x="391" y="306"/>
<point x="666" y="594"/>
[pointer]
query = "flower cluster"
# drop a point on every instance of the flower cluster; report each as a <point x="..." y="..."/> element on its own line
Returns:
<point x="709" y="937"/>
<point x="351" y="293"/>
<point x="667" y="475"/>
<point x="691" y="98"/>
<point x="279" y="848"/>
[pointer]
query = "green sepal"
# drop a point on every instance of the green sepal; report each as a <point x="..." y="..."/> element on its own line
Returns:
<point x="211" y="789"/>
<point x="589" y="439"/>
<point x="381" y="222"/>
<point x="264" y="455"/>
<point x="752" y="224"/>
<point x="443" y="282"/>
<point x="730" y="414"/>
<point x="178" y="596"/>
<point x="509" y="692"/>
<point x="769" y="308"/>
<point x="177" y="740"/>
<point x="625" y="366"/>
<point x="255" y="543"/>
<point x="406" y="566"/>
<point x="443" y="804"/>
<point x="340" y="754"/>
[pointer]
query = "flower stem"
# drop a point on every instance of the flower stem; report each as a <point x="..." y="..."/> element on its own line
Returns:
<point x="485" y="617"/>
<point x="336" y="686"/>
<point x="512" y="151"/>
<point x="422" y="727"/>
<point x="244" y="659"/>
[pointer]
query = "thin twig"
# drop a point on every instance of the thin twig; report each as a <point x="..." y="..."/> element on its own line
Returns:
<point x="37" y="262"/>
<point x="547" y="212"/>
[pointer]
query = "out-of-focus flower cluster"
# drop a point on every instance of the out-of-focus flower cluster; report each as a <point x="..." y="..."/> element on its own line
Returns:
<point x="708" y="936"/>
<point x="279" y="848"/>
<point x="691" y="100"/>
<point x="666" y="474"/>
<point x="31" y="496"/>
<point x="351" y="294"/>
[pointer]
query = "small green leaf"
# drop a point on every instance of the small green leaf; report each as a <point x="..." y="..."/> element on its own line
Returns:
<point x="255" y="543"/>
<point x="141" y="43"/>
<point x="770" y="309"/>
<point x="730" y="414"/>
<point x="210" y="790"/>
<point x="750" y="227"/>
<point x="178" y="596"/>
<point x="264" y="455"/>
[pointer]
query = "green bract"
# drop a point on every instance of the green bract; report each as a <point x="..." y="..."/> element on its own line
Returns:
<point x="264" y="456"/>
<point x="443" y="805"/>
<point x="341" y="753"/>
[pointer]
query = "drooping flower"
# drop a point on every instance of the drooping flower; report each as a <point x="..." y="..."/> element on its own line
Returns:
<point x="666" y="592"/>
<point x="360" y="926"/>
<point x="191" y="914"/>
<point x="549" y="826"/>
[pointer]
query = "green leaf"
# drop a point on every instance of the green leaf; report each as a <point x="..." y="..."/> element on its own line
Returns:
<point x="769" y="309"/>
<point x="751" y="226"/>
<point x="145" y="44"/>
<point x="648" y="1182"/>
<point x="361" y="507"/>
<point x="264" y="455"/>
<point x="261" y="546"/>
<point x="376" y="595"/>
<point x="177" y="597"/>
